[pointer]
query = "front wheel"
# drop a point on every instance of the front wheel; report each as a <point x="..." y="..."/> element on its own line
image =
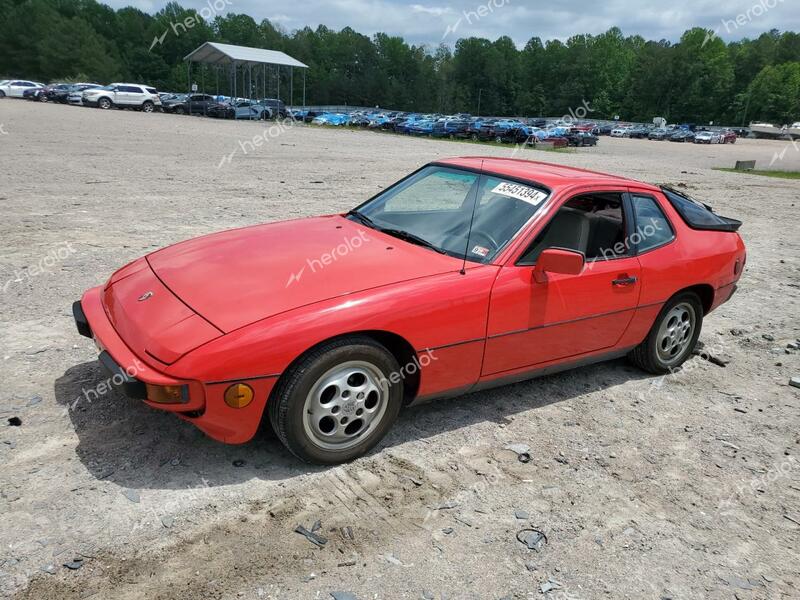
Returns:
<point x="672" y="337"/>
<point x="337" y="401"/>
<point x="104" y="103"/>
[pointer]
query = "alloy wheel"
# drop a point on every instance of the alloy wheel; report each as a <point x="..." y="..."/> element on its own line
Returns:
<point x="344" y="404"/>
<point x="676" y="333"/>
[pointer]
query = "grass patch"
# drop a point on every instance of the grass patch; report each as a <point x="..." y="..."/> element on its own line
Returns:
<point x="777" y="174"/>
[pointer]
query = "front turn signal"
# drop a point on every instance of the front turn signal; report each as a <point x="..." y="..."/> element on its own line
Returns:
<point x="238" y="395"/>
<point x="167" y="394"/>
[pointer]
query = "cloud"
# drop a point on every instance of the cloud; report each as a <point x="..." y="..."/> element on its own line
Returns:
<point x="436" y="11"/>
<point x="521" y="20"/>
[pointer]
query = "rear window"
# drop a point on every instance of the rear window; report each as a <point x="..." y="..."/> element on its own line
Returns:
<point x="152" y="90"/>
<point x="696" y="214"/>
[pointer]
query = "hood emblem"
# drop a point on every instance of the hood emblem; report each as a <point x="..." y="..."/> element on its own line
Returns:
<point x="145" y="296"/>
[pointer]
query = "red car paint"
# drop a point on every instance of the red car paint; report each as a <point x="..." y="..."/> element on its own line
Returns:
<point x="242" y="305"/>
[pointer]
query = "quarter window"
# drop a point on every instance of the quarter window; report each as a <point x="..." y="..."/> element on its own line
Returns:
<point x="652" y="227"/>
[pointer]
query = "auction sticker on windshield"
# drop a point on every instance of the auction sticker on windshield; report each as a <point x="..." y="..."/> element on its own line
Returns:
<point x="520" y="192"/>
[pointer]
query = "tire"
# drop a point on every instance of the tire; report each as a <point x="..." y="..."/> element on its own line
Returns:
<point x="179" y="110"/>
<point x="43" y="98"/>
<point x="314" y="382"/>
<point x="104" y="103"/>
<point x="147" y="106"/>
<point x="657" y="354"/>
<point x="2" y="94"/>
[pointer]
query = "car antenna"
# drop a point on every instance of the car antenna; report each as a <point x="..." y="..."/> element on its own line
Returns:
<point x="471" y="220"/>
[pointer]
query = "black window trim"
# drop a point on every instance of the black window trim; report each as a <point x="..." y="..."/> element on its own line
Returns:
<point x="674" y="237"/>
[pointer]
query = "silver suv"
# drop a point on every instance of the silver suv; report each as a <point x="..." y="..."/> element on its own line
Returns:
<point x="123" y="95"/>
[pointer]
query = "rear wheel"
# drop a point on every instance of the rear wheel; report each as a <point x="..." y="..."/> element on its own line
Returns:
<point x="104" y="103"/>
<point x="672" y="337"/>
<point x="147" y="106"/>
<point x="336" y="402"/>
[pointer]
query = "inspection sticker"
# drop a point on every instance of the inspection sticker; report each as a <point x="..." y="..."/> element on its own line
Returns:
<point x="520" y="192"/>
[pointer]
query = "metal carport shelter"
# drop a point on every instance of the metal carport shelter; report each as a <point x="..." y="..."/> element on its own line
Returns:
<point x="236" y="57"/>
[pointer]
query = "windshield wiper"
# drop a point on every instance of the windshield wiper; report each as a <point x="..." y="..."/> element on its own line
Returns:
<point x="414" y="239"/>
<point x="364" y="219"/>
<point x="398" y="233"/>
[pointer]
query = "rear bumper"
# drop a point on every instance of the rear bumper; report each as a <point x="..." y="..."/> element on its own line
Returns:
<point x="205" y="406"/>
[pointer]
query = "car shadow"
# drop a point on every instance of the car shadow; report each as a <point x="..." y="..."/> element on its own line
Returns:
<point x="134" y="446"/>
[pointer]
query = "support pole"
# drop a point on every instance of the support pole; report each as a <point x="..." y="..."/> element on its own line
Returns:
<point x="291" y="87"/>
<point x="304" y="88"/>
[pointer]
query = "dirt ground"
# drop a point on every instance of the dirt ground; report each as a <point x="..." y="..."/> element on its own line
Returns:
<point x="680" y="487"/>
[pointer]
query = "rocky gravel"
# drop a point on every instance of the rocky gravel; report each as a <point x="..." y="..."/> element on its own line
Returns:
<point x="601" y="482"/>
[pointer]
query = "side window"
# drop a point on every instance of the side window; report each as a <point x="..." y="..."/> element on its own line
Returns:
<point x="652" y="226"/>
<point x="593" y="224"/>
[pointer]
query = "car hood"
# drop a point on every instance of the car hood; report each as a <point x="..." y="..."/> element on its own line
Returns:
<point x="236" y="277"/>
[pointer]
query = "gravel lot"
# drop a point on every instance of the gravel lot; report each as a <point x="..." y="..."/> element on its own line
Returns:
<point x="681" y="487"/>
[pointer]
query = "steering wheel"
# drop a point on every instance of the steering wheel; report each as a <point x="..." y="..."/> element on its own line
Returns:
<point x="493" y="245"/>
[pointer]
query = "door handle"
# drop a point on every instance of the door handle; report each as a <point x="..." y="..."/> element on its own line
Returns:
<point x="622" y="281"/>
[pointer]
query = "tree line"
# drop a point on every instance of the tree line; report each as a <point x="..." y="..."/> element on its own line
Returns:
<point x="698" y="79"/>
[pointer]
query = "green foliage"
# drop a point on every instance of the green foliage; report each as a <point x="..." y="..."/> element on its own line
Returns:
<point x="699" y="79"/>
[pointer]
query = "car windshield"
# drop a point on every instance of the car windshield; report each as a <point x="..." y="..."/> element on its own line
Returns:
<point x="434" y="208"/>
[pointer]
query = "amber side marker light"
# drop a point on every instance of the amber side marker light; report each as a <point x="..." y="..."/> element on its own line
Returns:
<point x="238" y="395"/>
<point x="167" y="394"/>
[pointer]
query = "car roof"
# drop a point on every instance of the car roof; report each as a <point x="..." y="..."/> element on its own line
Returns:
<point x="550" y="175"/>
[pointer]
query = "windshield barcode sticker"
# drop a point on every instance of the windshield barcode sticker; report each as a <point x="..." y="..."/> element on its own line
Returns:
<point x="520" y="192"/>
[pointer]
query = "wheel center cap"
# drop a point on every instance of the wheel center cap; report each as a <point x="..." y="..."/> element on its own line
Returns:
<point x="349" y="407"/>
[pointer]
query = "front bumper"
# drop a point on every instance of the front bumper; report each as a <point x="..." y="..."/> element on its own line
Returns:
<point x="204" y="406"/>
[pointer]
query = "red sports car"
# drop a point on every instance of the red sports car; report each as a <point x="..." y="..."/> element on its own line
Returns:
<point x="467" y="274"/>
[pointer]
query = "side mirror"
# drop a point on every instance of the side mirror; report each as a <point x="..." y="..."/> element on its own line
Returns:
<point x="558" y="260"/>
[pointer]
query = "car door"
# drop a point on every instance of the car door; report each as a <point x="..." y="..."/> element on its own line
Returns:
<point x="123" y="95"/>
<point x="17" y="88"/>
<point x="532" y="323"/>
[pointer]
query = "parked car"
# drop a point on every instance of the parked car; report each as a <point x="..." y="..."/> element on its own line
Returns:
<point x="14" y="88"/>
<point x="620" y="132"/>
<point x="75" y="95"/>
<point x="639" y="132"/>
<point x="33" y="93"/>
<point x="604" y="129"/>
<point x="170" y="101"/>
<point x="231" y="328"/>
<point x="707" y="137"/>
<point x="123" y="95"/>
<point x="659" y="134"/>
<point x="194" y="104"/>
<point x="243" y="109"/>
<point x="278" y="107"/>
<point x="335" y="119"/>
<point x="729" y="136"/>
<point x="682" y="135"/>
<point x="51" y="91"/>
<point x="451" y="128"/>
<point x="581" y="138"/>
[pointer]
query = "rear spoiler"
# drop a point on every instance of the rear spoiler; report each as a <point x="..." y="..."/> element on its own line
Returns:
<point x="696" y="214"/>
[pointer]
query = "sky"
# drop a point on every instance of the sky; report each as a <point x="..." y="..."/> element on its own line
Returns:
<point x="435" y="21"/>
